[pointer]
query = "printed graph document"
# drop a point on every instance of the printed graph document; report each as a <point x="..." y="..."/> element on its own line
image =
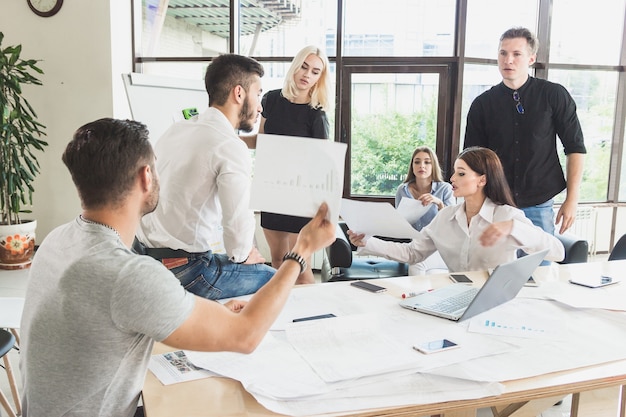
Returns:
<point x="375" y="219"/>
<point x="173" y="367"/>
<point x="294" y="175"/>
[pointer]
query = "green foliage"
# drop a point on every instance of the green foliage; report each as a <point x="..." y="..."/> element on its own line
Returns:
<point x="19" y="133"/>
<point x="382" y="145"/>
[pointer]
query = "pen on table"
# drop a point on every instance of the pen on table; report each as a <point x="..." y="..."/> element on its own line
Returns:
<point x="413" y="294"/>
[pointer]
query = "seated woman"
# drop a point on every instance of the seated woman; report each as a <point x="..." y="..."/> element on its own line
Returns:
<point x="424" y="182"/>
<point x="481" y="233"/>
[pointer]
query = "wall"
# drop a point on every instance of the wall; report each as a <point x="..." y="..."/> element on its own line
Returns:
<point x="83" y="49"/>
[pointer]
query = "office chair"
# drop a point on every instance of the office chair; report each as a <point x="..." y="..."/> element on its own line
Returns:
<point x="619" y="250"/>
<point x="340" y="265"/>
<point x="576" y="249"/>
<point x="7" y="341"/>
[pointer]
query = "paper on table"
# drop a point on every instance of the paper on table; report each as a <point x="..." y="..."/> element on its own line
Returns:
<point x="373" y="218"/>
<point x="294" y="175"/>
<point x="174" y="367"/>
<point x="412" y="210"/>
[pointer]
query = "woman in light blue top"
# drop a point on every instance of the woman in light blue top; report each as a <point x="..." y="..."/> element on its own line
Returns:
<point x="424" y="182"/>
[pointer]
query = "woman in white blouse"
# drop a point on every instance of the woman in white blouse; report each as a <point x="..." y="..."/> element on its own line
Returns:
<point x="481" y="233"/>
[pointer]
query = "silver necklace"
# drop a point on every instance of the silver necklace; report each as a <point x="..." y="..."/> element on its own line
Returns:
<point x="99" y="224"/>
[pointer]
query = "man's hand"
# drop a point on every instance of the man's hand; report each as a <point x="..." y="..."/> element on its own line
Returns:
<point x="496" y="231"/>
<point x="566" y="215"/>
<point x="235" y="305"/>
<point x="317" y="234"/>
<point x="254" y="257"/>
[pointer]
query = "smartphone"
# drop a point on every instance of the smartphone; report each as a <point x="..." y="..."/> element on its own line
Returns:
<point x="434" y="346"/>
<point x="460" y="278"/>
<point x="364" y="285"/>
<point x="321" y="316"/>
<point x="594" y="282"/>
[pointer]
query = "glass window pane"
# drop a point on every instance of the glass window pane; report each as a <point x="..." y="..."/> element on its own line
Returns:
<point x="200" y="31"/>
<point x="476" y="80"/>
<point x="585" y="33"/>
<point x="267" y="28"/>
<point x="302" y="23"/>
<point x="487" y="20"/>
<point x="391" y="115"/>
<point x="399" y="28"/>
<point x="595" y="95"/>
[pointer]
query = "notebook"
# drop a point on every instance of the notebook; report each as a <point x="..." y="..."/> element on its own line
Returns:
<point x="459" y="302"/>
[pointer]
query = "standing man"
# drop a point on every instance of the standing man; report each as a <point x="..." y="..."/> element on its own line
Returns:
<point x="206" y="173"/>
<point x="519" y="119"/>
<point x="94" y="308"/>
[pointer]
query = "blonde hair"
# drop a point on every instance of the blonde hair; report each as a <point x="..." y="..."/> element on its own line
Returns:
<point x="437" y="175"/>
<point x="320" y="93"/>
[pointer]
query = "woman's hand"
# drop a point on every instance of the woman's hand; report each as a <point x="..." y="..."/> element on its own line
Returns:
<point x="495" y="232"/>
<point x="429" y="198"/>
<point x="356" y="238"/>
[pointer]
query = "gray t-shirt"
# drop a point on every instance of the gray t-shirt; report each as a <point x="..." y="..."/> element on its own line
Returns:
<point x="92" y="312"/>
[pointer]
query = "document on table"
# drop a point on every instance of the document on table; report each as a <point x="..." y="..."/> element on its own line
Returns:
<point x="294" y="175"/>
<point x="375" y="219"/>
<point x="173" y="367"/>
<point x="412" y="210"/>
<point x="611" y="297"/>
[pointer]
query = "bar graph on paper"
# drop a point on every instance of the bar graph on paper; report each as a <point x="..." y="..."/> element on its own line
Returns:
<point x="530" y="329"/>
<point x="295" y="175"/>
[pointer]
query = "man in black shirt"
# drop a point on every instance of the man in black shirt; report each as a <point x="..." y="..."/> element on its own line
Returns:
<point x="519" y="119"/>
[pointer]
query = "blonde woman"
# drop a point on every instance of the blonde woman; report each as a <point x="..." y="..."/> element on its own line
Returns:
<point x="298" y="109"/>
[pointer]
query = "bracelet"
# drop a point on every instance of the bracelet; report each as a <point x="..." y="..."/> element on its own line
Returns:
<point x="295" y="257"/>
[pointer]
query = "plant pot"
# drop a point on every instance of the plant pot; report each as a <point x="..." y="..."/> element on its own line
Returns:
<point x="17" y="244"/>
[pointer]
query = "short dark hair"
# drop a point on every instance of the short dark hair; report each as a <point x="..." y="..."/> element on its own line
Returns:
<point x="104" y="157"/>
<point x="228" y="71"/>
<point x="521" y="32"/>
<point x="484" y="161"/>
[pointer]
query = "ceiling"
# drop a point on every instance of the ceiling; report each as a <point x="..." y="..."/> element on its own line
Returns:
<point x="213" y="16"/>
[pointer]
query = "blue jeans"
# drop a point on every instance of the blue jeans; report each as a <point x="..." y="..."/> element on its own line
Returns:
<point x="542" y="215"/>
<point x="214" y="276"/>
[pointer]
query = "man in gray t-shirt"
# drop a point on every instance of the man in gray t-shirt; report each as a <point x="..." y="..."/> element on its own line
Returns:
<point x="94" y="308"/>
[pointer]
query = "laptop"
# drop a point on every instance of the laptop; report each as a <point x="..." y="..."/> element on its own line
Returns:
<point x="459" y="302"/>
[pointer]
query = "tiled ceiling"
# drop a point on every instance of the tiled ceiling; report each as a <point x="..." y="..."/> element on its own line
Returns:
<point x="213" y="16"/>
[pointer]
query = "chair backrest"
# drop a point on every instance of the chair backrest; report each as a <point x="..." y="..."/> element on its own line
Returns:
<point x="576" y="249"/>
<point x="619" y="250"/>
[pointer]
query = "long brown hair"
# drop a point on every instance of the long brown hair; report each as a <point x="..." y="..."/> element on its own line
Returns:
<point x="436" y="175"/>
<point x="484" y="161"/>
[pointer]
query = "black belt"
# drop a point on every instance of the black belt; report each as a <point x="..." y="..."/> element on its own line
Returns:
<point x="163" y="253"/>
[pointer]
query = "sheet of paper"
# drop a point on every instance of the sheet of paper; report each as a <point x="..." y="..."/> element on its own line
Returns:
<point x="349" y="347"/>
<point x="412" y="210"/>
<point x="611" y="297"/>
<point x="294" y="175"/>
<point x="173" y="367"/>
<point x="375" y="219"/>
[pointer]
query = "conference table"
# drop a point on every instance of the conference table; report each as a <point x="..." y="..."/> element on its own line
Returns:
<point x="597" y="389"/>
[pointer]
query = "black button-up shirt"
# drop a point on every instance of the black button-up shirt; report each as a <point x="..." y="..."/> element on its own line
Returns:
<point x="526" y="143"/>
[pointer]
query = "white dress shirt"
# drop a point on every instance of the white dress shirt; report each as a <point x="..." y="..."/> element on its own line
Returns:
<point x="205" y="173"/>
<point x="459" y="244"/>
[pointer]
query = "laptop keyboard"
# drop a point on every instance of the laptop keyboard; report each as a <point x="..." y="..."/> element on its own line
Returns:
<point x="456" y="302"/>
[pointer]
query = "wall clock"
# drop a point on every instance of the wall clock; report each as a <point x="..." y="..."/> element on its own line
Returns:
<point x="45" y="8"/>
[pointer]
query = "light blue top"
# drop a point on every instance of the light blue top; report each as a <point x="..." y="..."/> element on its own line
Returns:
<point x="441" y="190"/>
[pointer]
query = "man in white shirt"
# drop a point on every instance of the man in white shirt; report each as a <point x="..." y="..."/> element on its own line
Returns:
<point x="205" y="171"/>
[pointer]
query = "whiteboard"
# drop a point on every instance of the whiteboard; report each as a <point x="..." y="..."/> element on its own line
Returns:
<point x="158" y="101"/>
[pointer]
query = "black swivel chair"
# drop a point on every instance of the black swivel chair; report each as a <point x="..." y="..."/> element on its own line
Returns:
<point x="340" y="265"/>
<point x="619" y="250"/>
<point x="576" y="249"/>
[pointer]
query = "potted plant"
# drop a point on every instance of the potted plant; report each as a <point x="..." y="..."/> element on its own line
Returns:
<point x="20" y="134"/>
